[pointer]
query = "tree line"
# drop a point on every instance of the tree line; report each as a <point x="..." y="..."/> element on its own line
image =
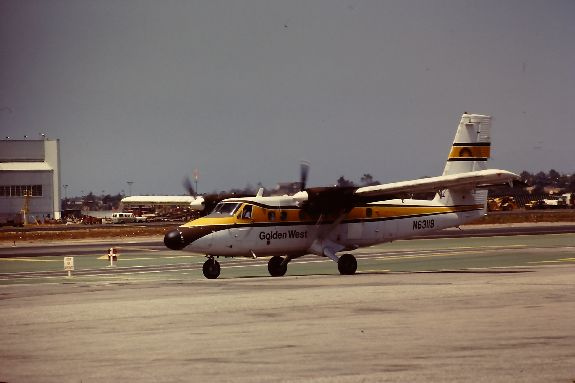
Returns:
<point x="537" y="183"/>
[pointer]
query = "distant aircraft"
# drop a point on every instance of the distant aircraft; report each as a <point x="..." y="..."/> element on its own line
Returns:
<point x="202" y="203"/>
<point x="326" y="221"/>
<point x="180" y="200"/>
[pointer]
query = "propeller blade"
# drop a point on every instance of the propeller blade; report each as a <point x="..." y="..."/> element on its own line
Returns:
<point x="187" y="183"/>
<point x="304" y="171"/>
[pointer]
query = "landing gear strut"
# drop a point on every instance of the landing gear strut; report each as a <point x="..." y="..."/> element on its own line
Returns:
<point x="347" y="265"/>
<point x="211" y="268"/>
<point x="277" y="266"/>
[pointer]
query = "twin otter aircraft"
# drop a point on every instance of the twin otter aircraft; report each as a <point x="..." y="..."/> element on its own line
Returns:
<point x="326" y="221"/>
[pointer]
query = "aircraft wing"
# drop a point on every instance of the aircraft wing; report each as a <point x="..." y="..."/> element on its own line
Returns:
<point x="475" y="179"/>
<point x="337" y="200"/>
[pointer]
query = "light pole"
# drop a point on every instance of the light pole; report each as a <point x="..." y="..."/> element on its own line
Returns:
<point x="196" y="177"/>
<point x="65" y="196"/>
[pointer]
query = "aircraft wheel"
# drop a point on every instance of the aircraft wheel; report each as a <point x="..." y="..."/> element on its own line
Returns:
<point x="211" y="269"/>
<point x="276" y="267"/>
<point x="347" y="265"/>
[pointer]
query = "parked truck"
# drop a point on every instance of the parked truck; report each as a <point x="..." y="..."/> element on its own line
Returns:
<point x="564" y="201"/>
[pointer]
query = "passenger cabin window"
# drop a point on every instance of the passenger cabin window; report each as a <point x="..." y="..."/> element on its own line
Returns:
<point x="226" y="208"/>
<point x="368" y="212"/>
<point x="283" y="215"/>
<point x="271" y="215"/>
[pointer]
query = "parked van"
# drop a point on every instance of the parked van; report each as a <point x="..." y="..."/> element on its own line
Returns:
<point x="126" y="218"/>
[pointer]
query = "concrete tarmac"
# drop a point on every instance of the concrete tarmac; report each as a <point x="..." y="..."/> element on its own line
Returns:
<point x="499" y="325"/>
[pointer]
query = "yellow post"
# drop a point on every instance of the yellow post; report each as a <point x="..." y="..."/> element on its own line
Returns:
<point x="25" y="207"/>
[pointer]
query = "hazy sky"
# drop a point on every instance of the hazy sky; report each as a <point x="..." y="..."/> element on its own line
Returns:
<point x="146" y="90"/>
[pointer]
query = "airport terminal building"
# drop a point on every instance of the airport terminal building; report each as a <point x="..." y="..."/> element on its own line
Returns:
<point x="29" y="180"/>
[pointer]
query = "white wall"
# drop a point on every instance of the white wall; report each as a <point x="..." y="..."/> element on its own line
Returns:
<point x="32" y="151"/>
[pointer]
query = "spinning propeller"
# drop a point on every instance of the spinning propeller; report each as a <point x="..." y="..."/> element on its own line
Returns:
<point x="206" y="203"/>
<point x="323" y="200"/>
<point x="187" y="184"/>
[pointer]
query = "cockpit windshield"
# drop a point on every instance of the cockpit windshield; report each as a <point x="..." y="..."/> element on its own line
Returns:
<point x="226" y="208"/>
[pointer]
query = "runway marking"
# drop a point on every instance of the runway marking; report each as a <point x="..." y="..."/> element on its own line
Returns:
<point x="30" y="260"/>
<point x="561" y="260"/>
<point x="190" y="263"/>
<point x="447" y="253"/>
<point x="452" y="252"/>
<point x="138" y="248"/>
<point x="128" y="258"/>
<point x="419" y="251"/>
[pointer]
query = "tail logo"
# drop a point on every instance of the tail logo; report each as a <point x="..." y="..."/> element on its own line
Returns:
<point x="470" y="152"/>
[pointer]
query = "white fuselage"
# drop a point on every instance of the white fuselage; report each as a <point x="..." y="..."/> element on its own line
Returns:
<point x="363" y="226"/>
<point x="327" y="220"/>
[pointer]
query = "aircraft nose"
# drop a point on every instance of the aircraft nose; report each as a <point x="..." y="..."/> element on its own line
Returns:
<point x="182" y="237"/>
<point x="174" y="240"/>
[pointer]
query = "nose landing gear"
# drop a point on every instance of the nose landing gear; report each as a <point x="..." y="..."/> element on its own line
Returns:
<point x="211" y="268"/>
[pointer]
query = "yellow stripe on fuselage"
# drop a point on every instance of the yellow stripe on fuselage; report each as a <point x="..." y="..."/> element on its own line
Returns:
<point x="212" y="221"/>
<point x="394" y="212"/>
<point x="261" y="215"/>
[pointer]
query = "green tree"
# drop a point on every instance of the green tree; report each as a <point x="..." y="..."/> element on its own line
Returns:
<point x="342" y="182"/>
<point x="367" y="180"/>
<point x="553" y="177"/>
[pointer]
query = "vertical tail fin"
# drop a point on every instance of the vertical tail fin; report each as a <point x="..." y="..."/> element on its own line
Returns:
<point x="472" y="145"/>
<point x="470" y="151"/>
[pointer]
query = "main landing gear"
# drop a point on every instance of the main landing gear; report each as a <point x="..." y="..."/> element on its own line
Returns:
<point x="277" y="266"/>
<point x="211" y="268"/>
<point x="347" y="264"/>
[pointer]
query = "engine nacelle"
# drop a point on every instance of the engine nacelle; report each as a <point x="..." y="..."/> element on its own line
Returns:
<point x="198" y="204"/>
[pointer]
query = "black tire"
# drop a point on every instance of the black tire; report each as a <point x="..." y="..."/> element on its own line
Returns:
<point x="211" y="269"/>
<point x="347" y="264"/>
<point x="276" y="267"/>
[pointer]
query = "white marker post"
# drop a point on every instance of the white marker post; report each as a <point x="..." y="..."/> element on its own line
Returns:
<point x="69" y="265"/>
<point x="113" y="256"/>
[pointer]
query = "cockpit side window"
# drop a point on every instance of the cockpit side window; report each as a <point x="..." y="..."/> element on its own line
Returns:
<point x="247" y="212"/>
<point x="226" y="208"/>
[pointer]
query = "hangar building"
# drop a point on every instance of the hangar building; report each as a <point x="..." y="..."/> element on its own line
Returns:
<point x="30" y="177"/>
